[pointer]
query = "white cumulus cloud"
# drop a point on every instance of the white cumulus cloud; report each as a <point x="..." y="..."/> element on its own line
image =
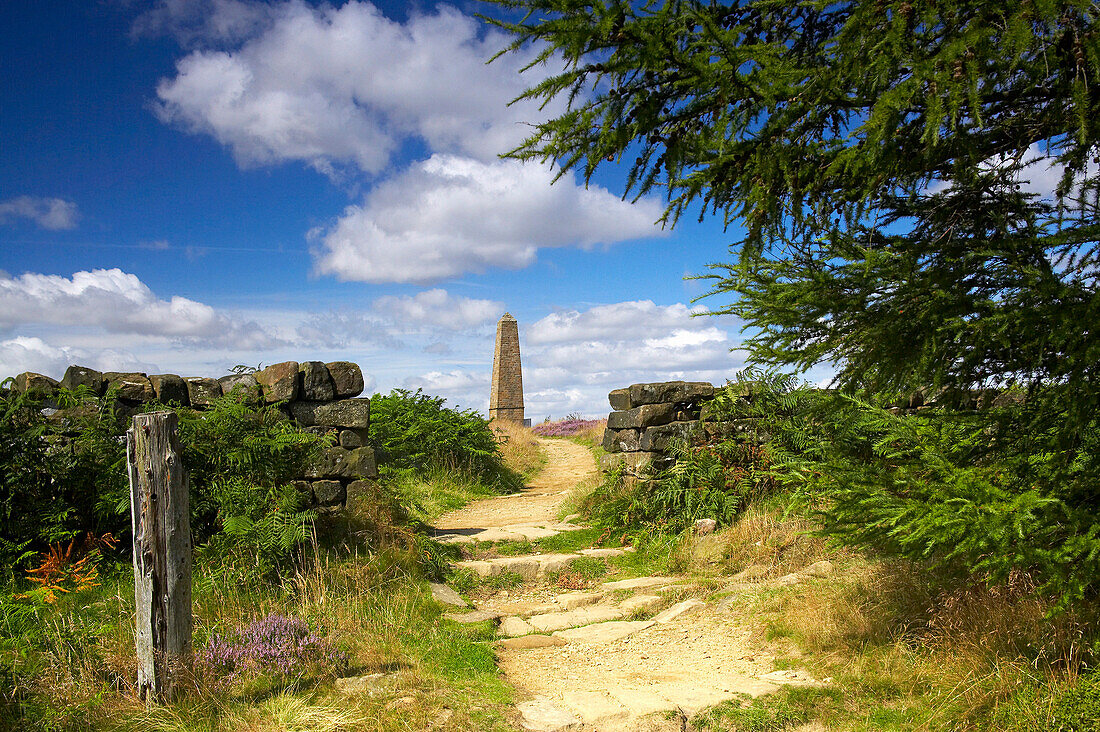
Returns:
<point x="54" y="214"/>
<point x="630" y="320"/>
<point x="461" y="388"/>
<point x="437" y="309"/>
<point x="344" y="89"/>
<point x="449" y="215"/>
<point x="575" y="357"/>
<point x="331" y="85"/>
<point x="25" y="353"/>
<point x="118" y="302"/>
<point x="203" y="21"/>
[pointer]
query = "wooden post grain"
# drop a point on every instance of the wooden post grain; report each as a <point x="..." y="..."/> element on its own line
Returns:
<point x="160" y="513"/>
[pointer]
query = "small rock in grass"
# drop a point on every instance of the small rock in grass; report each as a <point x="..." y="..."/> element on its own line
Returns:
<point x="705" y="526"/>
<point x="752" y="573"/>
<point x="354" y="685"/>
<point x="824" y="568"/>
<point x="444" y="594"/>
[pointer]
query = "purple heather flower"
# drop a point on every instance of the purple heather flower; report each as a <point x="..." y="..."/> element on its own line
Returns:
<point x="275" y="644"/>
<point x="564" y="428"/>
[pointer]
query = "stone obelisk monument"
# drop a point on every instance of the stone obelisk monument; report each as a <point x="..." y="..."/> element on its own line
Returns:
<point x="506" y="394"/>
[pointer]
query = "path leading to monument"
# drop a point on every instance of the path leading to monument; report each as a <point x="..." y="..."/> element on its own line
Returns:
<point x="533" y="512"/>
<point x="632" y="655"/>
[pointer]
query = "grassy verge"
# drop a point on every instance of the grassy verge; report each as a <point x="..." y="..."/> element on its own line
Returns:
<point x="591" y="436"/>
<point x="70" y="665"/>
<point x="428" y="494"/>
<point x="519" y="449"/>
<point x="368" y="650"/>
<point x="903" y="649"/>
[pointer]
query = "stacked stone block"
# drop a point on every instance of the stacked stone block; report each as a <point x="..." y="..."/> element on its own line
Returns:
<point x="320" y="397"/>
<point x="647" y="418"/>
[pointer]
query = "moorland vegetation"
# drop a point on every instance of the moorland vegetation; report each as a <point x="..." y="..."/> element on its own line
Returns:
<point x="915" y="192"/>
<point x="287" y="598"/>
<point x="884" y="158"/>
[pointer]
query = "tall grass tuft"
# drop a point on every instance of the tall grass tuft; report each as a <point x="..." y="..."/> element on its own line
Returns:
<point x="519" y="449"/>
<point x="905" y="643"/>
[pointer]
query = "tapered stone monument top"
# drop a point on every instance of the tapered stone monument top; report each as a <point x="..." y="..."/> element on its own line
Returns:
<point x="506" y="392"/>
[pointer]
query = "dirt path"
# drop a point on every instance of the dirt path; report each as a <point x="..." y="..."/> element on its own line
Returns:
<point x="537" y="505"/>
<point x="619" y="656"/>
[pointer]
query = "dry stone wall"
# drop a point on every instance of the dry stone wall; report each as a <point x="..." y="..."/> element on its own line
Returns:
<point x="320" y="397"/>
<point x="647" y="418"/>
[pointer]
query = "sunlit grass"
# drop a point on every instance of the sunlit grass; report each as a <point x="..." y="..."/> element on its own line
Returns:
<point x="519" y="448"/>
<point x="905" y="650"/>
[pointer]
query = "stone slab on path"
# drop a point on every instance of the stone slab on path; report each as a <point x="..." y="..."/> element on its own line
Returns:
<point x="530" y="566"/>
<point x="525" y="567"/>
<point x="574" y="600"/>
<point x="620" y="708"/>
<point x="680" y="608"/>
<point x="638" y="583"/>
<point x="522" y="609"/>
<point x="444" y="594"/>
<point x="526" y="642"/>
<point x="512" y="532"/>
<point x="601" y="633"/>
<point x="694" y="698"/>
<point x="641" y="702"/>
<point x="542" y="715"/>
<point x="574" y="618"/>
<point x="639" y="602"/>
<point x="512" y="627"/>
<point x="596" y="709"/>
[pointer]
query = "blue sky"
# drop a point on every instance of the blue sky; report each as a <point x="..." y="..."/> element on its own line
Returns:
<point x="194" y="184"/>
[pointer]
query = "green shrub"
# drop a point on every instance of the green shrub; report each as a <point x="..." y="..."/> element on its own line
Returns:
<point x="416" y="433"/>
<point x="52" y="491"/>
<point x="1078" y="708"/>
<point x="242" y="460"/>
<point x="975" y="493"/>
<point x="705" y="480"/>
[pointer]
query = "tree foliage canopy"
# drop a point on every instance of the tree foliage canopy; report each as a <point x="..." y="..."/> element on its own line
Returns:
<point x="877" y="155"/>
<point x="918" y="183"/>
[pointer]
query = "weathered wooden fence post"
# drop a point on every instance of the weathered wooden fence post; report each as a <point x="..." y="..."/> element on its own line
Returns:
<point x="160" y="511"/>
